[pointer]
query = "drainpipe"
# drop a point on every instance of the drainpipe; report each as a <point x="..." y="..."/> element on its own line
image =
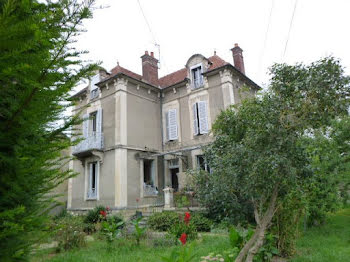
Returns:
<point x="162" y="135"/>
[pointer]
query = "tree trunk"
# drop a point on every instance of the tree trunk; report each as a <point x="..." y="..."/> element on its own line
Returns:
<point x="257" y="240"/>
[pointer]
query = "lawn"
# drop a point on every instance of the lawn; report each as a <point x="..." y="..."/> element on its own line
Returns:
<point x="328" y="243"/>
<point x="126" y="251"/>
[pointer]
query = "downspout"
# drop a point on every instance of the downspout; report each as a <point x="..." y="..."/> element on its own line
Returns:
<point x="162" y="135"/>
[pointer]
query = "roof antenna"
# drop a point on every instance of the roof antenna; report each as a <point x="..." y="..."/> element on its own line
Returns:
<point x="158" y="46"/>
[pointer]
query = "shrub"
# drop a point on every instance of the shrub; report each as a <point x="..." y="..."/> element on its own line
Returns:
<point x="201" y="223"/>
<point x="93" y="216"/>
<point x="69" y="233"/>
<point x="183" y="227"/>
<point x="162" y="221"/>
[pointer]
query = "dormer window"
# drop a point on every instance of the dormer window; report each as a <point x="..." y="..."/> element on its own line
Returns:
<point x="196" y="74"/>
<point x="94" y="91"/>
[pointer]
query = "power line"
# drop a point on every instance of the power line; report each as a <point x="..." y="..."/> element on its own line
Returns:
<point x="152" y="34"/>
<point x="148" y="25"/>
<point x="290" y="28"/>
<point x="265" y="38"/>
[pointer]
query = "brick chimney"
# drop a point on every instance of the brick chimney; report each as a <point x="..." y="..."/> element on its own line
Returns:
<point x="238" y="58"/>
<point x="150" y="68"/>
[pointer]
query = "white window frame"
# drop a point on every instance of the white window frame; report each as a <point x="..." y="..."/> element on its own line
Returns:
<point x="200" y="82"/>
<point x="93" y="195"/>
<point x="206" y="166"/>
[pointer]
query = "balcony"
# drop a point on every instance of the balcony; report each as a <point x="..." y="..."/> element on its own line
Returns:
<point x="89" y="144"/>
<point x="198" y="82"/>
<point x="149" y="190"/>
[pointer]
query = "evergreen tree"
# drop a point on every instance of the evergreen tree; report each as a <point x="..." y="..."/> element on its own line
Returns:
<point x="38" y="68"/>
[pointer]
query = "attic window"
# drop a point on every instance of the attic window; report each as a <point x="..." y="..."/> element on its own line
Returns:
<point x="196" y="74"/>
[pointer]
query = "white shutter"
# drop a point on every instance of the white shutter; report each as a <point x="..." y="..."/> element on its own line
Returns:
<point x="167" y="125"/>
<point x="172" y="117"/>
<point x="94" y="80"/>
<point x="99" y="121"/>
<point x="85" y="125"/>
<point x="203" y="117"/>
<point x="195" y="119"/>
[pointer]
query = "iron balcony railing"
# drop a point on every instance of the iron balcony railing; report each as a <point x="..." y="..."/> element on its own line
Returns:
<point x="149" y="190"/>
<point x="92" y="142"/>
<point x="198" y="82"/>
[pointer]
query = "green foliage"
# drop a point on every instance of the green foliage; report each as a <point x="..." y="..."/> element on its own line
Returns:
<point x="268" y="250"/>
<point x="162" y="221"/>
<point x="259" y="154"/>
<point x="38" y="69"/>
<point x="177" y="229"/>
<point x="69" y="233"/>
<point x="111" y="228"/>
<point x="181" y="200"/>
<point x="139" y="231"/>
<point x="224" y="201"/>
<point x="200" y="222"/>
<point x="287" y="218"/>
<point x="238" y="238"/>
<point x="93" y="216"/>
<point x="182" y="254"/>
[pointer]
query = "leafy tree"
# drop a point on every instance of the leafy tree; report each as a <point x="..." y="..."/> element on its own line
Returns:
<point x="38" y="68"/>
<point x="258" y="147"/>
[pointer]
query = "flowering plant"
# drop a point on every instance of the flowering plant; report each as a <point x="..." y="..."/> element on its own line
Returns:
<point x="183" y="238"/>
<point x="187" y="218"/>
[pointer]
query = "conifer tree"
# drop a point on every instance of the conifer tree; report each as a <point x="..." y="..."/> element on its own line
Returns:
<point x="38" y="69"/>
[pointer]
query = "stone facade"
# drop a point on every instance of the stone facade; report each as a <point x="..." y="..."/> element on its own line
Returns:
<point x="142" y="133"/>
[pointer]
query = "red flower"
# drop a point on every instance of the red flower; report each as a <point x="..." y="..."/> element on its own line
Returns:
<point x="187" y="218"/>
<point x="103" y="213"/>
<point x="183" y="238"/>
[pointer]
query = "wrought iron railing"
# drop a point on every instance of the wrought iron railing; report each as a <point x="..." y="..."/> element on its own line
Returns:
<point x="198" y="82"/>
<point x="92" y="194"/>
<point x="94" y="141"/>
<point x="149" y="190"/>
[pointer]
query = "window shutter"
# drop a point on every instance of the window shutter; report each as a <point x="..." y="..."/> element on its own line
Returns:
<point x="167" y="125"/>
<point x="172" y="117"/>
<point x="195" y="119"/>
<point x="99" y="121"/>
<point x="85" y="125"/>
<point x="203" y="117"/>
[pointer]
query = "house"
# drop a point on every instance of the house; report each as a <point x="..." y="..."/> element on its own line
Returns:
<point x="141" y="133"/>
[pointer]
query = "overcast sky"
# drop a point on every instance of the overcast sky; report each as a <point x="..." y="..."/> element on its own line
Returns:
<point x="183" y="28"/>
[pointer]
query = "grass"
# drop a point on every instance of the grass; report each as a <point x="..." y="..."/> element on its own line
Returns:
<point x="330" y="242"/>
<point x="327" y="243"/>
<point x="126" y="251"/>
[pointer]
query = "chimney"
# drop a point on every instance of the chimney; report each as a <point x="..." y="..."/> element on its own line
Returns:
<point x="150" y="68"/>
<point x="238" y="58"/>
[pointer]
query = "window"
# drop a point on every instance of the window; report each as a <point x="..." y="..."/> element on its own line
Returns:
<point x="94" y="91"/>
<point x="171" y="125"/>
<point x="149" y="187"/>
<point x="93" y="180"/>
<point x="148" y="172"/>
<point x="202" y="164"/>
<point x="197" y="78"/>
<point x="93" y="117"/>
<point x="200" y="118"/>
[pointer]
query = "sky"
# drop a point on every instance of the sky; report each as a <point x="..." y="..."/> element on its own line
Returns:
<point x="266" y="30"/>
